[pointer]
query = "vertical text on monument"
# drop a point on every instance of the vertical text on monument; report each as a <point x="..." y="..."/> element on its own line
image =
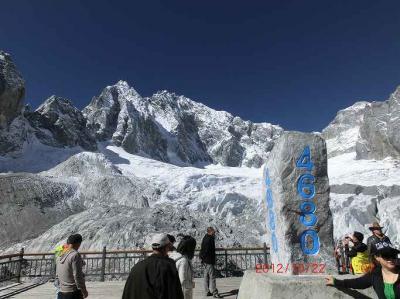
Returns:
<point x="309" y="239"/>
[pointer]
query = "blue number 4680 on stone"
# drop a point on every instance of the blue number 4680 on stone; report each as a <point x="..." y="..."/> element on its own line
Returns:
<point x="304" y="161"/>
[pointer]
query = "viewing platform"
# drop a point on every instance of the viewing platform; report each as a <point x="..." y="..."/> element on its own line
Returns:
<point x="107" y="270"/>
<point x="228" y="287"/>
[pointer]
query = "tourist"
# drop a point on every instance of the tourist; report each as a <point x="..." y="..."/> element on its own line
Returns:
<point x="358" y="253"/>
<point x="377" y="235"/>
<point x="69" y="271"/>
<point x="383" y="276"/>
<point x="342" y="261"/>
<point x="156" y="276"/>
<point x="183" y="260"/>
<point x="207" y="256"/>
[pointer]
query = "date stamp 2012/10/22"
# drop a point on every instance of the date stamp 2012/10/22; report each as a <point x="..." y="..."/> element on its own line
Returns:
<point x="297" y="268"/>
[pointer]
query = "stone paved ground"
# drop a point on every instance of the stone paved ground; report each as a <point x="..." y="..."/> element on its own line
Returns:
<point x="113" y="290"/>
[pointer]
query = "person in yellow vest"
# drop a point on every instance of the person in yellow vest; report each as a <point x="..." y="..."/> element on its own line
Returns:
<point x="358" y="253"/>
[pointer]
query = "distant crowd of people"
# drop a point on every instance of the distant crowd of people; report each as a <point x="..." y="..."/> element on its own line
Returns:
<point x="377" y="261"/>
<point x="167" y="273"/>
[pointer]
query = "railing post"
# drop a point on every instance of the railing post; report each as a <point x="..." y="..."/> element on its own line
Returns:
<point x="21" y="259"/>
<point x="265" y="254"/>
<point x="54" y="268"/>
<point x="103" y="264"/>
<point x="226" y="263"/>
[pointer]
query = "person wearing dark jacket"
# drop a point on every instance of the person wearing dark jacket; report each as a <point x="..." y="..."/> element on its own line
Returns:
<point x="377" y="235"/>
<point x="358" y="253"/>
<point x="207" y="256"/>
<point x="156" y="277"/>
<point x="383" y="277"/>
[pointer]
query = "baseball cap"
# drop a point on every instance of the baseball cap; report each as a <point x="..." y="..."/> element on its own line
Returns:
<point x="384" y="249"/>
<point x="159" y="241"/>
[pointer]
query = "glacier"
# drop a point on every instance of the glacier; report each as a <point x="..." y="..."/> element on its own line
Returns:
<point x="128" y="166"/>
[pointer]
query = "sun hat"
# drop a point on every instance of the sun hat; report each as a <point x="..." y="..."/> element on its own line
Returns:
<point x="375" y="225"/>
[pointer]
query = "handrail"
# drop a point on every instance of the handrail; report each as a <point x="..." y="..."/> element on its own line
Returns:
<point x="7" y="256"/>
<point x="116" y="263"/>
<point x="116" y="251"/>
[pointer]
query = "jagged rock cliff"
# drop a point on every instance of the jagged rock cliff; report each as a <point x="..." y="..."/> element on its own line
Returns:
<point x="12" y="90"/>
<point x="363" y="146"/>
<point x="58" y="123"/>
<point x="380" y="131"/>
<point x="342" y="133"/>
<point x="175" y="129"/>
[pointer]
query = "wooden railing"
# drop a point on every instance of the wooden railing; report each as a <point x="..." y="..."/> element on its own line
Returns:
<point x="116" y="264"/>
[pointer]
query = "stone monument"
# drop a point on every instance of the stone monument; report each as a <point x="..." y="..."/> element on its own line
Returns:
<point x="296" y="196"/>
<point x="299" y="225"/>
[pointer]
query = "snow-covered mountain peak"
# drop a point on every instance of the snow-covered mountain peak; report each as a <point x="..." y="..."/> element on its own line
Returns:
<point x="395" y="96"/>
<point x="176" y="129"/>
<point x="84" y="164"/>
<point x="126" y="91"/>
<point x="122" y="84"/>
<point x="57" y="105"/>
<point x="342" y="133"/>
<point x="3" y="55"/>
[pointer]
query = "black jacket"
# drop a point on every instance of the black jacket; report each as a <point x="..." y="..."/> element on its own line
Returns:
<point x="358" y="247"/>
<point x="373" y="279"/>
<point x="155" y="277"/>
<point x="207" y="251"/>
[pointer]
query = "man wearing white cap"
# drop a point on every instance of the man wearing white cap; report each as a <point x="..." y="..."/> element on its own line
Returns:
<point x="156" y="276"/>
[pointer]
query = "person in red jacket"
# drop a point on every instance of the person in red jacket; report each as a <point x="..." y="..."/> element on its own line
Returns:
<point x="384" y="276"/>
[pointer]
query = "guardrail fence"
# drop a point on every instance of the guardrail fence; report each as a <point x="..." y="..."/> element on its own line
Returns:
<point x="116" y="264"/>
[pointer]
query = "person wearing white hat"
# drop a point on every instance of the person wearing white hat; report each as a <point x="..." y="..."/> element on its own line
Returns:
<point x="156" y="276"/>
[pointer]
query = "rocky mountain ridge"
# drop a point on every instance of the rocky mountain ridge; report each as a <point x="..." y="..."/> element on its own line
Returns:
<point x="371" y="129"/>
<point x="165" y="126"/>
<point x="128" y="166"/>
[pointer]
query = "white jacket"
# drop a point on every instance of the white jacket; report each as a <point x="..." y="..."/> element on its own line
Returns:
<point x="185" y="270"/>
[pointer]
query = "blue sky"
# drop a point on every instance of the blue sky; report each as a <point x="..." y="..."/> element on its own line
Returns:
<point x="293" y="63"/>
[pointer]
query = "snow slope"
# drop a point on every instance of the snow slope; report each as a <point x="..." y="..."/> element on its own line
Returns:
<point x="188" y="199"/>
